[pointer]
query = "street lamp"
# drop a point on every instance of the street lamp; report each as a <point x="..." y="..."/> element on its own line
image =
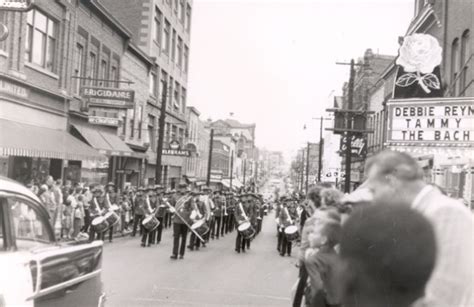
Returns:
<point x="320" y="156"/>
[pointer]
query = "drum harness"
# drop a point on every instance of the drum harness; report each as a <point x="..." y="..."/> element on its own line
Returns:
<point x="179" y="204"/>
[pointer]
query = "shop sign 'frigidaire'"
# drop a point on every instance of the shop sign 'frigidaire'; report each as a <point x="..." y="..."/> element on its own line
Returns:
<point x="431" y="120"/>
<point x="109" y="97"/>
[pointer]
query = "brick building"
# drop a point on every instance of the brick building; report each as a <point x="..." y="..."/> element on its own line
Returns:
<point x="162" y="30"/>
<point x="37" y="90"/>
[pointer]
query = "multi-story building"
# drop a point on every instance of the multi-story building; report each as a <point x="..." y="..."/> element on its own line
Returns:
<point x="367" y="73"/>
<point x="66" y="46"/>
<point x="162" y="30"/>
<point x="198" y="146"/>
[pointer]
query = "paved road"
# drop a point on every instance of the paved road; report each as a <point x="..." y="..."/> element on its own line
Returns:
<point x="213" y="276"/>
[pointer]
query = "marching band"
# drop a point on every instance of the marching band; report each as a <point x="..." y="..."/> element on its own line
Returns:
<point x="205" y="214"/>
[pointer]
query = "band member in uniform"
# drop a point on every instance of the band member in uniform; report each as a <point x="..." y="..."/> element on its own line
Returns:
<point x="279" y="224"/>
<point x="231" y="204"/>
<point x="148" y="208"/>
<point x="162" y="208"/>
<point x="206" y="199"/>
<point x="287" y="217"/>
<point x="242" y="214"/>
<point x="198" y="213"/>
<point x="181" y="217"/>
<point x="219" y="204"/>
<point x="225" y="214"/>
<point x="171" y="198"/>
<point x="111" y="197"/>
<point x="99" y="207"/>
<point x="138" y="204"/>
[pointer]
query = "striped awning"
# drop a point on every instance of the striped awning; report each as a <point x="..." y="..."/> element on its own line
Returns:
<point x="19" y="139"/>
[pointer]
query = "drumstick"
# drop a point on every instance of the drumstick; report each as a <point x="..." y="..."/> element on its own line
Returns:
<point x="182" y="219"/>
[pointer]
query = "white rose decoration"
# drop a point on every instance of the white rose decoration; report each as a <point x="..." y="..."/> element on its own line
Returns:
<point x="420" y="53"/>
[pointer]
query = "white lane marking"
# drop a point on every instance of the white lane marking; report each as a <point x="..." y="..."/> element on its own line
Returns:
<point x="226" y="293"/>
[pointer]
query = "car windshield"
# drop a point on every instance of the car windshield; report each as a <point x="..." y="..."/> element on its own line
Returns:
<point x="29" y="229"/>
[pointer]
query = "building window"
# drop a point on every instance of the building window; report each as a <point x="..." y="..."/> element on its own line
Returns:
<point x="78" y="65"/>
<point x="454" y="66"/>
<point x="176" y="96"/>
<point x="167" y="133"/>
<point x="183" y="100"/>
<point x="140" y="121"/>
<point x="158" y="30"/>
<point x="181" y="136"/>
<point x="3" y="19"/>
<point x="153" y="84"/>
<point x="180" y="51"/>
<point x="181" y="12"/>
<point x="104" y="69"/>
<point x="170" y="94"/>
<point x="187" y="22"/>
<point x="186" y="59"/>
<point x="174" y="132"/>
<point x="173" y="47"/>
<point x="165" y="44"/>
<point x="114" y="73"/>
<point x="163" y="82"/>
<point x="465" y="55"/>
<point x="40" y="42"/>
<point x="131" y="115"/>
<point x="151" y="132"/>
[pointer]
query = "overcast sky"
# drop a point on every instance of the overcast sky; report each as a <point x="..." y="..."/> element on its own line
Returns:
<point x="272" y="62"/>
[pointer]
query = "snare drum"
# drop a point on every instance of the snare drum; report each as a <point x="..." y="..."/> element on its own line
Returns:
<point x="291" y="233"/>
<point x="150" y="223"/>
<point x="100" y="224"/>
<point x="200" y="227"/>
<point x="246" y="230"/>
<point x="112" y="218"/>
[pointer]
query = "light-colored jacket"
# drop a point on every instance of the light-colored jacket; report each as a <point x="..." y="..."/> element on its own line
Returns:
<point x="452" y="281"/>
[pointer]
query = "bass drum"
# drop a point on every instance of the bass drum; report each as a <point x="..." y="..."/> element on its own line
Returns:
<point x="100" y="224"/>
<point x="112" y="218"/>
<point x="150" y="223"/>
<point x="246" y="230"/>
<point x="291" y="233"/>
<point x="200" y="227"/>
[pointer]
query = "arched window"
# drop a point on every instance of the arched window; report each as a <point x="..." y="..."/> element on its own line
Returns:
<point x="454" y="66"/>
<point x="465" y="55"/>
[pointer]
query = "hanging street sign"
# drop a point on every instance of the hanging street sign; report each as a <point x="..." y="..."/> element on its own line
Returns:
<point x="175" y="150"/>
<point x="106" y="121"/>
<point x="109" y="97"/>
<point x="15" y="5"/>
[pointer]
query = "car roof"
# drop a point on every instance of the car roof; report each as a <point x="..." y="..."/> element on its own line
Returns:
<point x="12" y="186"/>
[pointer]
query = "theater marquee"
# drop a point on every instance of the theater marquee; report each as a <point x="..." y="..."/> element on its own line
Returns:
<point x="431" y="121"/>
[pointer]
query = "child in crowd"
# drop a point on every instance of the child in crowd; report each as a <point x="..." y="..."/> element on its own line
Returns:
<point x="67" y="219"/>
<point x="78" y="216"/>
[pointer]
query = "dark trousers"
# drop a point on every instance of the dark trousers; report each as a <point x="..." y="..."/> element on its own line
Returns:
<point x="159" y="229"/>
<point x="230" y="224"/>
<point x="168" y="218"/>
<point x="301" y="285"/>
<point x="259" y="225"/>
<point x="147" y="236"/>
<point x="180" y="231"/>
<point x="216" y="227"/>
<point x="87" y="220"/>
<point x="137" y="221"/>
<point x="225" y="220"/>
<point x="281" y="234"/>
<point x="241" y="242"/>
<point x="195" y="242"/>
<point x="93" y="235"/>
<point x="285" y="245"/>
<point x="165" y="219"/>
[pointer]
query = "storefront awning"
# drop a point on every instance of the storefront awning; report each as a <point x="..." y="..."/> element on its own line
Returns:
<point x="235" y="183"/>
<point x="18" y="139"/>
<point x="105" y="141"/>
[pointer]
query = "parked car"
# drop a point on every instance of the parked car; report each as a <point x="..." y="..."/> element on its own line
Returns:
<point x="35" y="269"/>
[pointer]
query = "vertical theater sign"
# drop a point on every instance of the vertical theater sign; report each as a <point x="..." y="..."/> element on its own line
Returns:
<point x="438" y="131"/>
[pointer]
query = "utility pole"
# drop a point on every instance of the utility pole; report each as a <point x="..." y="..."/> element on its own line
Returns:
<point x="320" y="155"/>
<point x="231" y="168"/>
<point x="347" y="182"/>
<point x="307" y="167"/>
<point x="209" y="162"/>
<point x="302" y="169"/>
<point x="161" y="134"/>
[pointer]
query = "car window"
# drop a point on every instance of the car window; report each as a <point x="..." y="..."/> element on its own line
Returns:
<point x="29" y="229"/>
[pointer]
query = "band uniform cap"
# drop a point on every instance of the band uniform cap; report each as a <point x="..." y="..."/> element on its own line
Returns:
<point x="159" y="187"/>
<point x="140" y="189"/>
<point x="110" y="184"/>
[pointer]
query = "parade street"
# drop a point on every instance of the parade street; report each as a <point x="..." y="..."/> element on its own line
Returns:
<point x="213" y="276"/>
